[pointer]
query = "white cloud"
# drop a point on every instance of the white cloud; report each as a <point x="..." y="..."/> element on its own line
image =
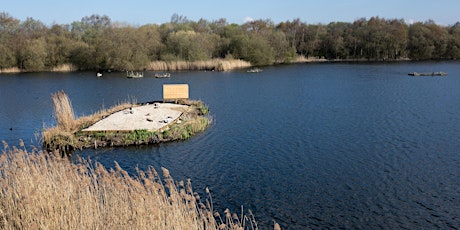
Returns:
<point x="409" y="21"/>
<point x="248" y="19"/>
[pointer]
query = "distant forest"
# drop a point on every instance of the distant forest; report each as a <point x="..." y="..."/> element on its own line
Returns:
<point x="96" y="42"/>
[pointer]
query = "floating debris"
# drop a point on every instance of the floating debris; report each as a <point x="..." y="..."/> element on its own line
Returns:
<point x="415" y="74"/>
<point x="162" y="75"/>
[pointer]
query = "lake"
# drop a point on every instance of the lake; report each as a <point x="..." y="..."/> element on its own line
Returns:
<point x="318" y="145"/>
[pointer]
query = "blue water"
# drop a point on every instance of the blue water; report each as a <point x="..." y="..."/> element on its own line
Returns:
<point x="332" y="145"/>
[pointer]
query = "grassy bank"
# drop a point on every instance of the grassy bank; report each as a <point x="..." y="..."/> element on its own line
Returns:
<point x="44" y="191"/>
<point x="67" y="136"/>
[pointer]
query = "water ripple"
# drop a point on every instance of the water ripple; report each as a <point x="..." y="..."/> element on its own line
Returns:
<point x="321" y="146"/>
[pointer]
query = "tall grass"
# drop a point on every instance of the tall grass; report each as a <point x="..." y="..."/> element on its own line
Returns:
<point x="44" y="191"/>
<point x="10" y="70"/>
<point x="302" y="59"/>
<point x="59" y="68"/>
<point x="63" y="110"/>
<point x="214" y="64"/>
<point x="63" y="68"/>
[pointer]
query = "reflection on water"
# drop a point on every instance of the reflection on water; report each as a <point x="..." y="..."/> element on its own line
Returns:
<point x="314" y="145"/>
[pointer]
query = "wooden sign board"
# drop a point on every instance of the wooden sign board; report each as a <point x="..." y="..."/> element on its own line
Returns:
<point x="175" y="91"/>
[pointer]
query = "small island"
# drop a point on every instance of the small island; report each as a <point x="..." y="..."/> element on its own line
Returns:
<point x="124" y="124"/>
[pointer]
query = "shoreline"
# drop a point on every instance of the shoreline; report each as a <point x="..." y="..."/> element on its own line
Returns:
<point x="215" y="65"/>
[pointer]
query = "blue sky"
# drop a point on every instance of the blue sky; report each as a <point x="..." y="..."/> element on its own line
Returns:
<point x="141" y="12"/>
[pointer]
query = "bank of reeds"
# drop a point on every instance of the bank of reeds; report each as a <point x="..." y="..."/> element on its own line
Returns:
<point x="63" y="110"/>
<point x="59" y="68"/>
<point x="10" y="70"/>
<point x="40" y="190"/>
<point x="64" y="68"/>
<point x="303" y="59"/>
<point x="209" y="65"/>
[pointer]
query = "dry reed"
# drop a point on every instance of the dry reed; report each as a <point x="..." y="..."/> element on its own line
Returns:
<point x="63" y="68"/>
<point x="44" y="191"/>
<point x="63" y="110"/>
<point x="10" y="70"/>
<point x="303" y="59"/>
<point x="59" y="68"/>
<point x="214" y="64"/>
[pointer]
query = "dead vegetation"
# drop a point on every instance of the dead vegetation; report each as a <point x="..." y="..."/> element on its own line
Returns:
<point x="64" y="68"/>
<point x="10" y="70"/>
<point x="63" y="110"/>
<point x="209" y="65"/>
<point x="45" y="191"/>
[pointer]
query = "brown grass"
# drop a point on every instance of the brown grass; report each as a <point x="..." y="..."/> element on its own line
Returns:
<point x="214" y="64"/>
<point x="303" y="59"/>
<point x="63" y="110"/>
<point x="63" y="68"/>
<point x="10" y="70"/>
<point x="45" y="191"/>
<point x="60" y="68"/>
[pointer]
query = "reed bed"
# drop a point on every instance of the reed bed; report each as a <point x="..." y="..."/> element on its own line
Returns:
<point x="59" y="68"/>
<point x="10" y="70"/>
<point x="63" y="68"/>
<point x="63" y="110"/>
<point x="209" y="65"/>
<point x="40" y="190"/>
<point x="303" y="59"/>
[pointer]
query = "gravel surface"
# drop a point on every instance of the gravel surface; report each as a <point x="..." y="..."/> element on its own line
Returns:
<point x="151" y="117"/>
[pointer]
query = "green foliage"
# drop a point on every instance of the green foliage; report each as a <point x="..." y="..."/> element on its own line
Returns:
<point x="58" y="46"/>
<point x="138" y="136"/>
<point x="83" y="56"/>
<point x="430" y="41"/>
<point x="204" y="109"/>
<point x="167" y="134"/>
<point x="190" y="45"/>
<point x="7" y="57"/>
<point x="259" y="51"/>
<point x="33" y="55"/>
<point x="95" y="42"/>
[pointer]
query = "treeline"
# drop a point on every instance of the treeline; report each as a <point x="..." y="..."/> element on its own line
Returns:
<point x="96" y="42"/>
